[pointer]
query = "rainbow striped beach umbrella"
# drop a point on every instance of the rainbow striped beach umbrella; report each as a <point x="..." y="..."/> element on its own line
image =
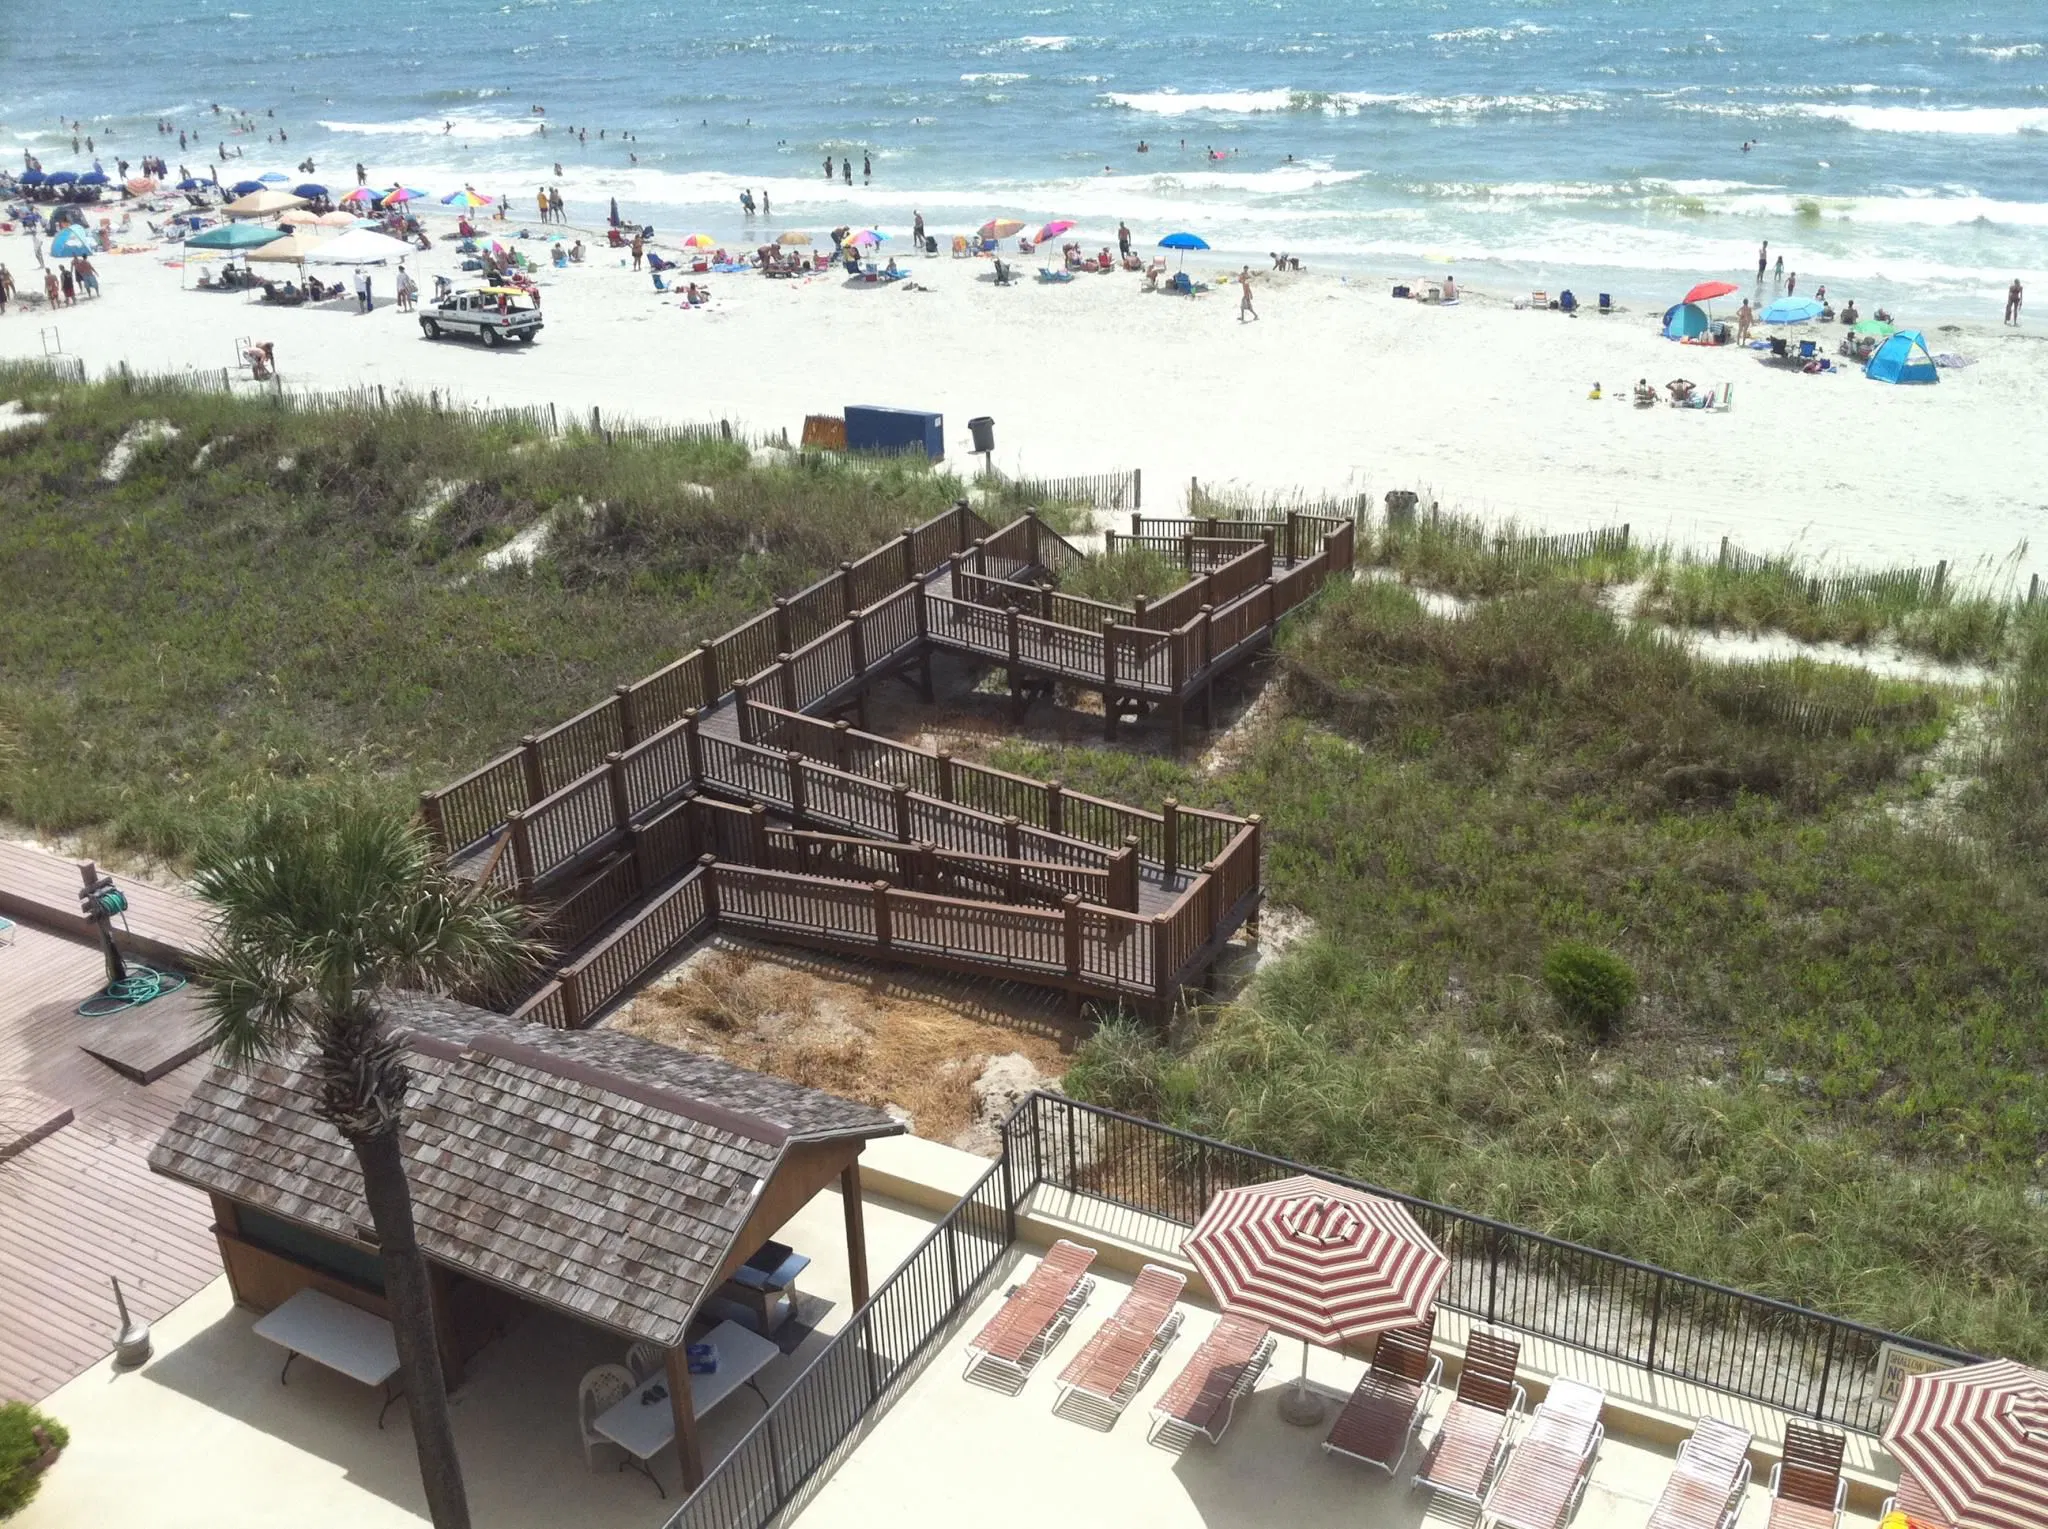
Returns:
<point x="465" y="198"/>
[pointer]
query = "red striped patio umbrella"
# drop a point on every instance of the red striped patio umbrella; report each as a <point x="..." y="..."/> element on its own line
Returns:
<point x="1977" y="1439"/>
<point x="1321" y="1262"/>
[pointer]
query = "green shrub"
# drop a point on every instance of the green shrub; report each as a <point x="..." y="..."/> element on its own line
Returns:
<point x="1593" y="987"/>
<point x="19" y="1449"/>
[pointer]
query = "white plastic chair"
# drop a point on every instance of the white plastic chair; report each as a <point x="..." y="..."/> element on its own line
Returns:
<point x="646" y="1361"/>
<point x="598" y="1391"/>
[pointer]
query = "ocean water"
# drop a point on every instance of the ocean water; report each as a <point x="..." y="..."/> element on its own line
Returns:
<point x="1900" y="148"/>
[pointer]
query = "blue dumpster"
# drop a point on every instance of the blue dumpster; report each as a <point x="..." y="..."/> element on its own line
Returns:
<point x="895" y="431"/>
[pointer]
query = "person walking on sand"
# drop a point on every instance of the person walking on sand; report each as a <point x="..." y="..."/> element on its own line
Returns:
<point x="555" y="207"/>
<point x="639" y="250"/>
<point x="362" y="175"/>
<point x="68" y="283"/>
<point x="1744" y="317"/>
<point x="2013" y="295"/>
<point x="1123" y="239"/>
<point x="917" y="229"/>
<point x="1244" y="297"/>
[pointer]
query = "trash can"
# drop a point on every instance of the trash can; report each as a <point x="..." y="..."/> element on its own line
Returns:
<point x="931" y="244"/>
<point x="983" y="430"/>
<point x="1401" y="509"/>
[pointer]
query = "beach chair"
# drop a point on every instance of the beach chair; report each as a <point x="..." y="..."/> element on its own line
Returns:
<point x="1112" y="1365"/>
<point x="1034" y="1317"/>
<point x="659" y="284"/>
<point x="1808" y="349"/>
<point x="1467" y="1449"/>
<point x="1539" y="300"/>
<point x="1223" y="1370"/>
<point x="1182" y="284"/>
<point x="1707" y="1481"/>
<point x="1549" y="1466"/>
<point x="1387" y="1405"/>
<point x="1807" y="1488"/>
<point x="1606" y="303"/>
<point x="1912" y="1500"/>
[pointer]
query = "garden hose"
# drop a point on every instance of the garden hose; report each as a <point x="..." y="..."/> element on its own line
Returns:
<point x="140" y="986"/>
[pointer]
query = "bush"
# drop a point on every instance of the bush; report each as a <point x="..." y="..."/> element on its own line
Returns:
<point x="20" y="1448"/>
<point x="1593" y="987"/>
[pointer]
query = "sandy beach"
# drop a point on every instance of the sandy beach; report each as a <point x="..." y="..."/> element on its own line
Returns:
<point x="1336" y="387"/>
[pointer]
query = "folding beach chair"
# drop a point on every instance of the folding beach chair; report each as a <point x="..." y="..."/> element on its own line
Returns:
<point x="1387" y="1405"/>
<point x="1707" y="1481"/>
<point x="1034" y="1316"/>
<point x="1101" y="1380"/>
<point x="1549" y="1466"/>
<point x="1807" y="1488"/>
<point x="1467" y="1449"/>
<point x="1224" y="1369"/>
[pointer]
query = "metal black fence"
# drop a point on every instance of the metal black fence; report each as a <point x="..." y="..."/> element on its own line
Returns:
<point x="1767" y="1351"/>
<point x="1784" y="1356"/>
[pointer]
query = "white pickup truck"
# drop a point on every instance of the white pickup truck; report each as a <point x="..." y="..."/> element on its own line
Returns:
<point x="493" y="314"/>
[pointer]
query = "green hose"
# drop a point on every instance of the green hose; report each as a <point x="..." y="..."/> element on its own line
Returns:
<point x="140" y="986"/>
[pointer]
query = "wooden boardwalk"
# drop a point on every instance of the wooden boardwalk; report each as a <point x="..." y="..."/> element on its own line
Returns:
<point x="161" y="925"/>
<point x="77" y="1200"/>
<point x="858" y="844"/>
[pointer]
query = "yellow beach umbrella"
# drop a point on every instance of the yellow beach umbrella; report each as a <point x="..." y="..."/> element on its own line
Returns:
<point x="793" y="237"/>
<point x="700" y="242"/>
<point x="1001" y="228"/>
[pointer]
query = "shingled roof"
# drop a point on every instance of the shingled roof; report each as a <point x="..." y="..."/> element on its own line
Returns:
<point x="590" y="1170"/>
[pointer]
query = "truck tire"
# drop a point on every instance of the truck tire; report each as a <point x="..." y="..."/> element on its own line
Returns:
<point x="430" y="329"/>
<point x="491" y="336"/>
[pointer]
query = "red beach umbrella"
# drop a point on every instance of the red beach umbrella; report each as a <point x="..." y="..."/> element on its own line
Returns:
<point x="1977" y="1440"/>
<point x="1707" y="291"/>
<point x="1323" y="1262"/>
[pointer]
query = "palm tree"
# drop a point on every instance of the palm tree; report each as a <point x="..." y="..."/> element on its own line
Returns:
<point x="318" y="915"/>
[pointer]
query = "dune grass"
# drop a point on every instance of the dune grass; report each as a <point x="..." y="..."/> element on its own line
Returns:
<point x="1831" y="1088"/>
<point x="262" y="604"/>
<point x="1122" y="576"/>
<point x="1464" y="556"/>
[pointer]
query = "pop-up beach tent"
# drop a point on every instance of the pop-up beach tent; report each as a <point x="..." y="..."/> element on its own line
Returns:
<point x="1903" y="358"/>
<point x="1684" y="321"/>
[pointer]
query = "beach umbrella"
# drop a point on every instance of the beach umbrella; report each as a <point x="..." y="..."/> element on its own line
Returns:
<point x="399" y="194"/>
<point x="300" y="217"/>
<point x="360" y="195"/>
<point x="340" y="219"/>
<point x="1324" y="1262"/>
<point x="1793" y="310"/>
<point x="31" y="177"/>
<point x="69" y="243"/>
<point x="62" y="177"/>
<point x="700" y="242"/>
<point x="93" y="177"/>
<point x="245" y="188"/>
<point x="793" y="237"/>
<point x="1871" y="326"/>
<point x="1001" y="228"/>
<point x="1183" y="242"/>
<point x="262" y="203"/>
<point x="867" y="238"/>
<point x="1053" y="230"/>
<point x="615" y="212"/>
<point x="234" y="236"/>
<point x="1707" y="291"/>
<point x="142" y="185"/>
<point x="312" y="191"/>
<point x="193" y="183"/>
<point x="465" y="198"/>
<point x="1976" y="1440"/>
<point x="273" y="177"/>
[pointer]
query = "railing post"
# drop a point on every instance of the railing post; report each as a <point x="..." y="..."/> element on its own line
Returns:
<point x="798" y="809"/>
<point x="1163" y="973"/>
<point x="572" y="998"/>
<point x="709" y="865"/>
<point x="714" y="686"/>
<point x="981" y="557"/>
<point x="1109" y="679"/>
<point x="910" y="568"/>
<point x="1031" y="535"/>
<point x="529" y="764"/>
<point x="1044" y="600"/>
<point x="1137" y="485"/>
<point x="899" y="797"/>
<point x="1187" y="552"/>
<point x="1138" y="608"/>
<point x="944" y="761"/>
<point x="927" y="879"/>
<point x="882" y="936"/>
<point x="953" y="563"/>
<point x="740" y="712"/>
<point x="1293" y="536"/>
<point x="430" y="817"/>
<point x="1070" y="905"/>
<point x="857" y="646"/>
<point x="1208" y="614"/>
<point x="847" y="604"/>
<point x="522" y="851"/>
<point x="922" y="612"/>
<point x="1130" y="887"/>
<point x="629" y="721"/>
<point x="615" y="783"/>
<point x="757" y="833"/>
<point x="782" y="638"/>
<point x="787" y="686"/>
<point x="962" y="519"/>
<point x="1656" y="1312"/>
<point x="1827" y="1370"/>
<point x="1055" y="807"/>
<point x="1109" y="539"/>
<point x="693" y="747"/>
<point x="1013" y="851"/>
<point x="1170" y="839"/>
<point x="636" y="851"/>
<point x="1015" y="643"/>
<point x="842" y="747"/>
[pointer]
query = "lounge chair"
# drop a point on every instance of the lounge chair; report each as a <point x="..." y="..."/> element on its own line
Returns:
<point x="1387" y="1405"/>
<point x="1034" y="1316"/>
<point x="1182" y="284"/>
<point x="1466" y="1451"/>
<point x="1549" y="1466"/>
<point x="1101" y="1380"/>
<point x="1807" y="1488"/>
<point x="1707" y="1482"/>
<point x="1224" y="1369"/>
<point x="1912" y="1500"/>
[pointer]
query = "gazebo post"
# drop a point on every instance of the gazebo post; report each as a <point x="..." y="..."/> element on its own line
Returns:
<point x="856" y="1233"/>
<point x="688" y="1455"/>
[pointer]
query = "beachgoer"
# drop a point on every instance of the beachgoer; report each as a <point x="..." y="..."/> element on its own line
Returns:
<point x="51" y="294"/>
<point x="561" y="213"/>
<point x="1778" y="275"/>
<point x="405" y="289"/>
<point x="917" y="228"/>
<point x="1450" y="288"/>
<point x="828" y="167"/>
<point x="1244" y="299"/>
<point x="540" y="198"/>
<point x="639" y="250"/>
<point x="1791" y="283"/>
<point x="1123" y="238"/>
<point x="365" y="303"/>
<point x="88" y="278"/>
<point x="69" y="283"/>
<point x="1849" y="311"/>
<point x="764" y="201"/>
<point x="1744" y="317"/>
<point x="362" y="175"/>
<point x="846" y="167"/>
<point x="2014" y="294"/>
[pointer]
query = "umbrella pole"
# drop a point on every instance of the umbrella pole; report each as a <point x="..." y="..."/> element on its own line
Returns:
<point x="1299" y="1405"/>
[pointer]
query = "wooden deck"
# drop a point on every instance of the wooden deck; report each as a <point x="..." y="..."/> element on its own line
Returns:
<point x="161" y="925"/>
<point x="77" y="1200"/>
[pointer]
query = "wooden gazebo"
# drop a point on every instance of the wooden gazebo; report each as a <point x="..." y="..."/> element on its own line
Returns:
<point x="614" y="1179"/>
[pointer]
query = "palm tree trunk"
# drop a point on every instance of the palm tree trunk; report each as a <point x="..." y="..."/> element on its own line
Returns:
<point x="412" y="1321"/>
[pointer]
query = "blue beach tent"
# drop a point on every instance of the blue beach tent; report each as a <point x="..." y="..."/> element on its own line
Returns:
<point x="1903" y="358"/>
<point x="1684" y="321"/>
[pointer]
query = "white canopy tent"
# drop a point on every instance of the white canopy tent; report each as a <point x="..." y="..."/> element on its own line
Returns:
<point x="360" y="246"/>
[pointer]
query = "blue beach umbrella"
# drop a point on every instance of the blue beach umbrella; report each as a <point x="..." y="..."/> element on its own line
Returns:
<point x="243" y="188"/>
<point x="273" y="178"/>
<point x="93" y="178"/>
<point x="30" y="177"/>
<point x="1792" y="310"/>
<point x="1183" y="242"/>
<point x="193" y="183"/>
<point x="63" y="177"/>
<point x="311" y="191"/>
<point x="70" y="242"/>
